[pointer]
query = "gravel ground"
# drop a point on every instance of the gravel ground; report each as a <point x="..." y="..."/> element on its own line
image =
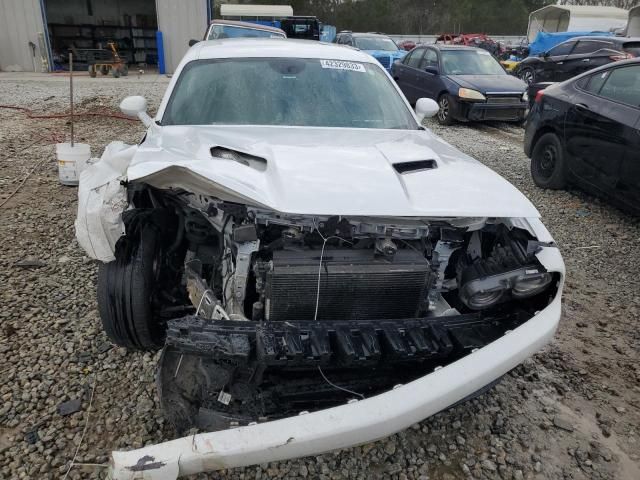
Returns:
<point x="573" y="411"/>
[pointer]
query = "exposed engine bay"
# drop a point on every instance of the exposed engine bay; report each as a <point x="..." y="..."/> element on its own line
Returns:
<point x="265" y="315"/>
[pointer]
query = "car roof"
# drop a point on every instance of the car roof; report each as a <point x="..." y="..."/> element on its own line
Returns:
<point x="372" y="34"/>
<point x="273" y="48"/>
<point x="603" y="38"/>
<point x="443" y="46"/>
<point x="255" y="26"/>
<point x="592" y="37"/>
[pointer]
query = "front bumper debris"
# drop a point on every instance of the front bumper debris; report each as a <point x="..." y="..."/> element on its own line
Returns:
<point x="217" y="375"/>
<point x="354" y="422"/>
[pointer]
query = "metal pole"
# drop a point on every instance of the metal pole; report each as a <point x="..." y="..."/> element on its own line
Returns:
<point x="71" y="92"/>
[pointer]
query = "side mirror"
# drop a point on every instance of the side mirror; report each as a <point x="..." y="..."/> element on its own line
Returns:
<point x="192" y="42"/>
<point x="136" y="106"/>
<point x="426" y="108"/>
<point x="432" y="70"/>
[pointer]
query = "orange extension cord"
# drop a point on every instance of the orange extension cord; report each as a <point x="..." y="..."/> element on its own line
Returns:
<point x="55" y="137"/>
<point x="29" y="113"/>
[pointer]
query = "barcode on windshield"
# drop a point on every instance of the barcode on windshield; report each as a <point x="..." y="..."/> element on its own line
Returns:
<point x="340" y="65"/>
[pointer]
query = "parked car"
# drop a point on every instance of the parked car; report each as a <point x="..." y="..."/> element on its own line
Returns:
<point x="479" y="40"/>
<point x="300" y="27"/>
<point x="468" y="83"/>
<point x="407" y="45"/>
<point x="379" y="46"/>
<point x="586" y="131"/>
<point x="576" y="56"/>
<point x="219" y="29"/>
<point x="311" y="250"/>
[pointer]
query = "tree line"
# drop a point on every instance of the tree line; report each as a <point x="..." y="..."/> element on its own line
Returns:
<point x="496" y="17"/>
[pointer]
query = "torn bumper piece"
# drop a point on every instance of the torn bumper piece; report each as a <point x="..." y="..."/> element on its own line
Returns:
<point x="214" y="375"/>
<point x="346" y="425"/>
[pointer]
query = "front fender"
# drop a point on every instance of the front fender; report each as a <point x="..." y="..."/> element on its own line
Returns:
<point x="102" y="198"/>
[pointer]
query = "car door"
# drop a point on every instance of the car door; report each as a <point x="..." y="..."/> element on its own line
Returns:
<point x="624" y="87"/>
<point x="553" y="66"/>
<point x="405" y="73"/>
<point x="587" y="55"/>
<point x="600" y="128"/>
<point x="427" y="75"/>
<point x="630" y="172"/>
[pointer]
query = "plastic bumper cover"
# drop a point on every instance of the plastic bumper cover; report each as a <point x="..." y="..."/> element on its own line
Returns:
<point x="351" y="424"/>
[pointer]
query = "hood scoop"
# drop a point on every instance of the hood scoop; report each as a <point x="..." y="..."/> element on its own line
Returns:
<point x="415" y="166"/>
<point x="257" y="163"/>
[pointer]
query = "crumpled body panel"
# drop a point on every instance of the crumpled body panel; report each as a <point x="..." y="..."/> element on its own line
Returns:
<point x="101" y="200"/>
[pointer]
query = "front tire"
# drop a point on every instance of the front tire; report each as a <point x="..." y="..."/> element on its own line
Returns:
<point x="126" y="289"/>
<point x="548" y="163"/>
<point x="445" y="114"/>
<point x="527" y="75"/>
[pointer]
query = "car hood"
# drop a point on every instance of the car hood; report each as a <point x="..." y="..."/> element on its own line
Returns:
<point x="327" y="171"/>
<point x="490" y="83"/>
<point x="386" y="53"/>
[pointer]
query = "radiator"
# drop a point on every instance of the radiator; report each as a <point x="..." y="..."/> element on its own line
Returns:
<point x="354" y="285"/>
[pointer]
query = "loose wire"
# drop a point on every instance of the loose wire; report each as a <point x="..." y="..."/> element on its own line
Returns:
<point x="324" y="243"/>
<point x="338" y="386"/>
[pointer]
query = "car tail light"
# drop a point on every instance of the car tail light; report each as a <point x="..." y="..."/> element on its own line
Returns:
<point x="620" y="56"/>
<point x="539" y="95"/>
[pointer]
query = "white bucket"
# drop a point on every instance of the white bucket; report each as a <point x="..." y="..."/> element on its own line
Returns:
<point x="71" y="161"/>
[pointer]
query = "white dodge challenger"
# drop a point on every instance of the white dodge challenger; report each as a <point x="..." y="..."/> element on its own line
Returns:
<point x="319" y="269"/>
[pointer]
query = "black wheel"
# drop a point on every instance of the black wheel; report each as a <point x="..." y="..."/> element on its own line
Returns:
<point x="92" y="71"/>
<point x="104" y="70"/>
<point x="527" y="75"/>
<point x="125" y="296"/>
<point x="445" y="114"/>
<point x="547" y="162"/>
<point x="142" y="288"/>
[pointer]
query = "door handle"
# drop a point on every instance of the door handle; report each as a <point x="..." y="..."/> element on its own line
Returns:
<point x="586" y="60"/>
<point x="560" y="63"/>
<point x="581" y="107"/>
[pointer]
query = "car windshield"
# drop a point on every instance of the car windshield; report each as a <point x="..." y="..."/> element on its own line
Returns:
<point x="232" y="31"/>
<point x="375" y="43"/>
<point x="286" y="91"/>
<point x="470" y="62"/>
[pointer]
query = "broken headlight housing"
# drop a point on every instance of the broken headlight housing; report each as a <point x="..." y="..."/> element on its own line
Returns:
<point x="483" y="292"/>
<point x="510" y="272"/>
<point x="530" y="284"/>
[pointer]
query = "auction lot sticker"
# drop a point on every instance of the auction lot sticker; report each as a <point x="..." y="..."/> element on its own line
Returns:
<point x="341" y="65"/>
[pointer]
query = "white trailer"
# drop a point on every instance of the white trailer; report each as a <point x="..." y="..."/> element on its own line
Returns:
<point x="573" y="18"/>
<point x="633" y="27"/>
<point x="230" y="11"/>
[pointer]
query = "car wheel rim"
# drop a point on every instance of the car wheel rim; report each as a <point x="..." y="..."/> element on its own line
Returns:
<point x="443" y="113"/>
<point x="527" y="76"/>
<point x="547" y="161"/>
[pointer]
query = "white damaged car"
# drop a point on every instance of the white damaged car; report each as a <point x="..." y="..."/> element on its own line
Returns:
<point x="319" y="269"/>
